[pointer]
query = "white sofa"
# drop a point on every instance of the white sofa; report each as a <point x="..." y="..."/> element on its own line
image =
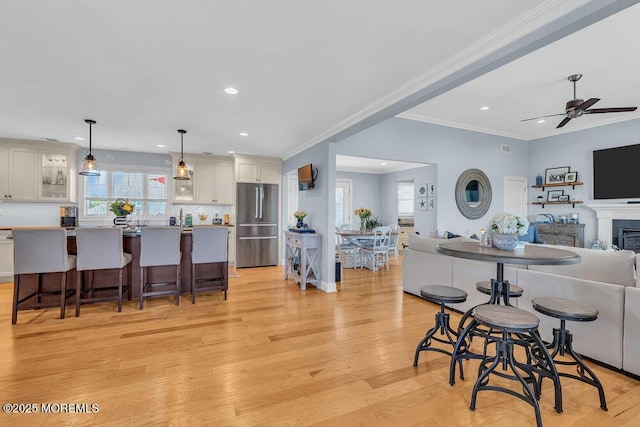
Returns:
<point x="606" y="280"/>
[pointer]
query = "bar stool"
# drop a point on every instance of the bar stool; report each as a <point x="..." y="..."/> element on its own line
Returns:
<point x="498" y="294"/>
<point x="101" y="249"/>
<point x="38" y="252"/>
<point x="517" y="327"/>
<point x="567" y="309"/>
<point x="159" y="246"/>
<point x="210" y="245"/>
<point x="440" y="295"/>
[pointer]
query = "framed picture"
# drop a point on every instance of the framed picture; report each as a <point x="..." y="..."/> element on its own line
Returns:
<point x="571" y="177"/>
<point x="431" y="203"/>
<point x="422" y="203"/>
<point x="555" y="175"/>
<point x="422" y="190"/>
<point x="431" y="190"/>
<point x="564" y="198"/>
<point x="553" y="195"/>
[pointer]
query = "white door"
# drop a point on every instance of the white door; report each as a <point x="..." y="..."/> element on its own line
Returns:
<point x="515" y="194"/>
<point x="344" y="213"/>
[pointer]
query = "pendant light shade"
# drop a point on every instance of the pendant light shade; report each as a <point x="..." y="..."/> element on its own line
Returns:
<point x="182" y="172"/>
<point x="89" y="166"/>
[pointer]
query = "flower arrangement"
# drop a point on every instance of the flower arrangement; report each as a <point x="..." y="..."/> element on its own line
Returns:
<point x="299" y="215"/>
<point x="509" y="223"/>
<point x="122" y="207"/>
<point x="363" y="213"/>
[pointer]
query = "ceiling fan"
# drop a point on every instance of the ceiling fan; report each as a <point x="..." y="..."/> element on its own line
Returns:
<point x="577" y="107"/>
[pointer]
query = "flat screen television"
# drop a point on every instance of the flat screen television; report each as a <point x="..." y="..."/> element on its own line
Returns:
<point x="615" y="173"/>
<point x="305" y="177"/>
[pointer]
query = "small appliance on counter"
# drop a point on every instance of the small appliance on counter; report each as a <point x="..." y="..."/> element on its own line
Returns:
<point x="217" y="220"/>
<point x="68" y="216"/>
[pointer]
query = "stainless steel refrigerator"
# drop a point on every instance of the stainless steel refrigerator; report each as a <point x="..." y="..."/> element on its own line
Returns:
<point x="257" y="222"/>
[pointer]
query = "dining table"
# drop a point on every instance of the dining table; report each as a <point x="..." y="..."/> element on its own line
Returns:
<point x="531" y="254"/>
<point x="360" y="239"/>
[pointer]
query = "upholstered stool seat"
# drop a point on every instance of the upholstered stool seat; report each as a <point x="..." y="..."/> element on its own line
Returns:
<point x="440" y="295"/>
<point x="516" y="327"/>
<point x="210" y="246"/>
<point x="38" y="252"/>
<point x="567" y="309"/>
<point x="160" y="246"/>
<point x="101" y="249"/>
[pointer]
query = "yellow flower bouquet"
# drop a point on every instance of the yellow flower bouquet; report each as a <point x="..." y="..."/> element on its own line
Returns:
<point x="122" y="207"/>
<point x="363" y="213"/>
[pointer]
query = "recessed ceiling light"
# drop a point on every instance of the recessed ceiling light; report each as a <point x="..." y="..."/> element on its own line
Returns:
<point x="485" y="108"/>
<point x="231" y="151"/>
<point x="382" y="164"/>
<point x="541" y="121"/>
<point x="79" y="138"/>
<point x="243" y="134"/>
<point x="160" y="145"/>
<point x="231" y="91"/>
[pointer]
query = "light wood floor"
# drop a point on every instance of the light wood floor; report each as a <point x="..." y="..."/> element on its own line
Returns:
<point x="270" y="355"/>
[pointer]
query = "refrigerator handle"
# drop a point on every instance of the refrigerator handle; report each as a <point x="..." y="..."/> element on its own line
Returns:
<point x="261" y="200"/>
<point x="256" y="211"/>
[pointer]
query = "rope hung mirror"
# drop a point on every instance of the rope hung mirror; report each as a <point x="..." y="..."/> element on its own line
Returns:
<point x="473" y="193"/>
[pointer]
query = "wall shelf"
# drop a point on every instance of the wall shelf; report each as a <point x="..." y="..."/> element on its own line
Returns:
<point x="559" y="184"/>
<point x="573" y="203"/>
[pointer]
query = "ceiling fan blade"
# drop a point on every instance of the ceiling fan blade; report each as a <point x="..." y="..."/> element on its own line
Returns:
<point x="563" y="122"/>
<point x="588" y="103"/>
<point x="610" y="110"/>
<point x="542" y="117"/>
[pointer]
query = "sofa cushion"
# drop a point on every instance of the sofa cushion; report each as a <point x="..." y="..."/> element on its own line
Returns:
<point x="615" y="267"/>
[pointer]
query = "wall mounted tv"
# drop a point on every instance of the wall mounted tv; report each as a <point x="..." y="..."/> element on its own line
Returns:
<point x="306" y="177"/>
<point x="615" y="173"/>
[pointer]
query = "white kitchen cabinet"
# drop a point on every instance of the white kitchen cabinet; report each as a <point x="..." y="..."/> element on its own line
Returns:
<point x="32" y="171"/>
<point x="214" y="181"/>
<point x="265" y="170"/>
<point x="6" y="256"/>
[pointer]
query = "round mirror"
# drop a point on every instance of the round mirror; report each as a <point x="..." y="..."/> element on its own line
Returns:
<point x="473" y="193"/>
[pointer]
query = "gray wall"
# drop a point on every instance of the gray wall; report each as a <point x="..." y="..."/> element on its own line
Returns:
<point x="575" y="149"/>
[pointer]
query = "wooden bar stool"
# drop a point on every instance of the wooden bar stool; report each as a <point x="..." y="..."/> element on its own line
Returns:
<point x="567" y="309"/>
<point x="101" y="249"/>
<point x="39" y="252"/>
<point x="440" y="295"/>
<point x="210" y="245"/>
<point x="160" y="246"/>
<point x="517" y="327"/>
<point x="497" y="290"/>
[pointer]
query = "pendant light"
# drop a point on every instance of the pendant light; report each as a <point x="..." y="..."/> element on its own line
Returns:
<point x="182" y="173"/>
<point x="89" y="166"/>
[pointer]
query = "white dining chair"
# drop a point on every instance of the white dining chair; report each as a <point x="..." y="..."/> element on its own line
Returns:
<point x="379" y="250"/>
<point x="393" y="241"/>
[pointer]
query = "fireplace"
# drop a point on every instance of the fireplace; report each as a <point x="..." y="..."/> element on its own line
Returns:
<point x="623" y="215"/>
<point x="625" y="234"/>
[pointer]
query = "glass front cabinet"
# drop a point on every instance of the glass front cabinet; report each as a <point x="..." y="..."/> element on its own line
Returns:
<point x="57" y="175"/>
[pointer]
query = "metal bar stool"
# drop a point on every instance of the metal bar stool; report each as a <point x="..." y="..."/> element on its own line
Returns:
<point x="513" y="323"/>
<point x="498" y="290"/>
<point x="159" y="246"/>
<point x="210" y="245"/>
<point x="440" y="295"/>
<point x="567" y="309"/>
<point x="101" y="249"/>
<point x="39" y="252"/>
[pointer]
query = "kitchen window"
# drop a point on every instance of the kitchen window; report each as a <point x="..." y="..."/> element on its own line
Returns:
<point x="405" y="199"/>
<point x="147" y="190"/>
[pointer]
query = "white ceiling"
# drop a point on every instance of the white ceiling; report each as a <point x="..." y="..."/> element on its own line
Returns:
<point x="606" y="53"/>
<point x="305" y="70"/>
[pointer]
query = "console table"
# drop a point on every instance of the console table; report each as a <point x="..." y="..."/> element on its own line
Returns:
<point x="306" y="249"/>
<point x="561" y="234"/>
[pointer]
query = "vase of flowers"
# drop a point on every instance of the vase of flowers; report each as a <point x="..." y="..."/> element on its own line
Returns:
<point x="363" y="214"/>
<point x="300" y="218"/>
<point x="121" y="208"/>
<point x="506" y="228"/>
